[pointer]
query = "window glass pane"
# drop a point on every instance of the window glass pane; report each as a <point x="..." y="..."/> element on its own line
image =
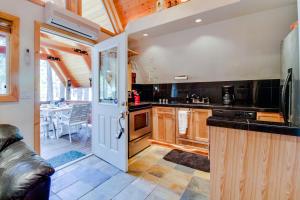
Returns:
<point x="56" y="86"/>
<point x="95" y="11"/>
<point x="4" y="63"/>
<point x="108" y="77"/>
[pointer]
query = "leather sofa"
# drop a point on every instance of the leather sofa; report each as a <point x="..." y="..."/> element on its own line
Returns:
<point x="23" y="174"/>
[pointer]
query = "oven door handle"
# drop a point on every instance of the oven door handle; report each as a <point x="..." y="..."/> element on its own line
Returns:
<point x="122" y="130"/>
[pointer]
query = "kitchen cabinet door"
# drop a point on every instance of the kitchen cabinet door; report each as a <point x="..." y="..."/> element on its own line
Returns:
<point x="198" y="129"/>
<point x="158" y="127"/>
<point x="170" y="131"/>
<point x="164" y="124"/>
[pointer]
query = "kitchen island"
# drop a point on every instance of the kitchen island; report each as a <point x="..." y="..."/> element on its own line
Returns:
<point x="254" y="160"/>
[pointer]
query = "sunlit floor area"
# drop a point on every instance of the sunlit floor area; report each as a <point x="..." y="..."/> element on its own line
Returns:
<point x="149" y="177"/>
<point x="52" y="147"/>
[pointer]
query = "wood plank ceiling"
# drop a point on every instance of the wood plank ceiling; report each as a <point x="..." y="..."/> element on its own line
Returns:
<point x="69" y="59"/>
<point x="129" y="10"/>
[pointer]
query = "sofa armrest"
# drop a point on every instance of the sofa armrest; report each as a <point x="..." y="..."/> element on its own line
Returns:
<point x="22" y="171"/>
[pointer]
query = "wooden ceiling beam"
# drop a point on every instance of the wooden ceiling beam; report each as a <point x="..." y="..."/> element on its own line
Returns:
<point x="113" y="15"/>
<point x="51" y="44"/>
<point x="54" y="66"/>
<point x="59" y="46"/>
<point x="74" y="6"/>
<point x="64" y="68"/>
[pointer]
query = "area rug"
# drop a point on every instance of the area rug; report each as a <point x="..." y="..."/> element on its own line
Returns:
<point x="188" y="159"/>
<point x="65" y="158"/>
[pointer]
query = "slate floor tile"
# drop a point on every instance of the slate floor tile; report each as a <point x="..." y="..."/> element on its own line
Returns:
<point x="199" y="185"/>
<point x="62" y="182"/>
<point x="137" y="190"/>
<point x="110" y="188"/>
<point x="191" y="195"/>
<point x="185" y="169"/>
<point x="109" y="170"/>
<point x="161" y="193"/>
<point x="90" y="176"/>
<point x="54" y="197"/>
<point x="75" y="191"/>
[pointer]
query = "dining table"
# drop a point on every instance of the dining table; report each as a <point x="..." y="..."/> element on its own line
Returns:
<point x="50" y="112"/>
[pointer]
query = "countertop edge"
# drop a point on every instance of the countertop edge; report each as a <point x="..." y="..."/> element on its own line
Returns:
<point x="253" y="125"/>
<point x="145" y="105"/>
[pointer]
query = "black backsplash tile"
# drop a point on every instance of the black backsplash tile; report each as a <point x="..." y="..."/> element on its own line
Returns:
<point x="261" y="93"/>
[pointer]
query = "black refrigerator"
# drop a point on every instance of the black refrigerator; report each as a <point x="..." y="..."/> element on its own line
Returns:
<point x="290" y="93"/>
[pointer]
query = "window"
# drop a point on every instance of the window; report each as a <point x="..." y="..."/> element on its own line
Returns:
<point x="9" y="57"/>
<point x="51" y="88"/>
<point x="4" y="40"/>
<point x="81" y="94"/>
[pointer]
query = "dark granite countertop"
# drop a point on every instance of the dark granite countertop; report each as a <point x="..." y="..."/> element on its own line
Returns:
<point x="143" y="105"/>
<point x="254" y="125"/>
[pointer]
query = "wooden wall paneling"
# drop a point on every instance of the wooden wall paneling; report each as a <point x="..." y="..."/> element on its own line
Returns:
<point x="253" y="165"/>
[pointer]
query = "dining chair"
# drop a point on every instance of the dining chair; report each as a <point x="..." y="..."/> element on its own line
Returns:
<point x="44" y="125"/>
<point x="77" y="117"/>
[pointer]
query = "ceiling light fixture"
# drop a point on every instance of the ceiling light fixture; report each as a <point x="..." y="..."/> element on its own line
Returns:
<point x="198" y="20"/>
<point x="146" y="34"/>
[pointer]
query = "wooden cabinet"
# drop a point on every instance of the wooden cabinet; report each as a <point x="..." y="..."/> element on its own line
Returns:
<point x="197" y="133"/>
<point x="269" y="117"/>
<point x="164" y="124"/>
<point x="253" y="165"/>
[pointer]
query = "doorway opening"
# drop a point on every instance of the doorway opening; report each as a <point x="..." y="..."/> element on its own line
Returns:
<point x="65" y="99"/>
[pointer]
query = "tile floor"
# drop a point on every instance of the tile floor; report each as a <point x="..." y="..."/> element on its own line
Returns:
<point x="149" y="177"/>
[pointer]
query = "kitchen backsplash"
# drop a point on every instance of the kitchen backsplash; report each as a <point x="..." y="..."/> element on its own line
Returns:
<point x="262" y="93"/>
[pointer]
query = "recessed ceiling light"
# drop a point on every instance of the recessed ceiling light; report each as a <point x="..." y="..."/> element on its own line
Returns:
<point x="198" y="20"/>
<point x="146" y="34"/>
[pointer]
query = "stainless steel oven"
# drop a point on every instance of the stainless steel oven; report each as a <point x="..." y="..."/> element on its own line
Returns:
<point x="140" y="130"/>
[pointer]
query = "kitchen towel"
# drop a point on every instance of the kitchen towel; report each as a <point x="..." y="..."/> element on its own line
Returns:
<point x="182" y="121"/>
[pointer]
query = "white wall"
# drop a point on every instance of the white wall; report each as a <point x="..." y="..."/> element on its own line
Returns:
<point x="242" y="48"/>
<point x="21" y="113"/>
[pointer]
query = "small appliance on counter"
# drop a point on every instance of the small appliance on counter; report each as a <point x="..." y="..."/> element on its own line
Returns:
<point x="228" y="94"/>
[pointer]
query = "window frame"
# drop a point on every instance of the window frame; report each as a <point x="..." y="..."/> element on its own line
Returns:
<point x="13" y="59"/>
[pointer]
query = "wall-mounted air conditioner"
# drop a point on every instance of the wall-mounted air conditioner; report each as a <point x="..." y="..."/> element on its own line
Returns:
<point x="71" y="22"/>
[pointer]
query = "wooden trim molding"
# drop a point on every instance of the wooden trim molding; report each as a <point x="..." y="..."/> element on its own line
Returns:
<point x="14" y="58"/>
<point x="113" y="16"/>
<point x="37" y="36"/>
<point x="38" y="2"/>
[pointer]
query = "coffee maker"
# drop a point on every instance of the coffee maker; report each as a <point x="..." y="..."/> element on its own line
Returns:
<point x="228" y="94"/>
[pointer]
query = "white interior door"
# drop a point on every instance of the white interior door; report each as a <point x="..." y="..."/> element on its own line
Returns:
<point x="110" y="101"/>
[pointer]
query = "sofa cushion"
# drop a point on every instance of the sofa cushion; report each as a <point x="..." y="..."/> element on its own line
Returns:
<point x="8" y="135"/>
<point x="22" y="170"/>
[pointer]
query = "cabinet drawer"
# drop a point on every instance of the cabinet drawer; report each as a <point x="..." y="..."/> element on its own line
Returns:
<point x="167" y="110"/>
